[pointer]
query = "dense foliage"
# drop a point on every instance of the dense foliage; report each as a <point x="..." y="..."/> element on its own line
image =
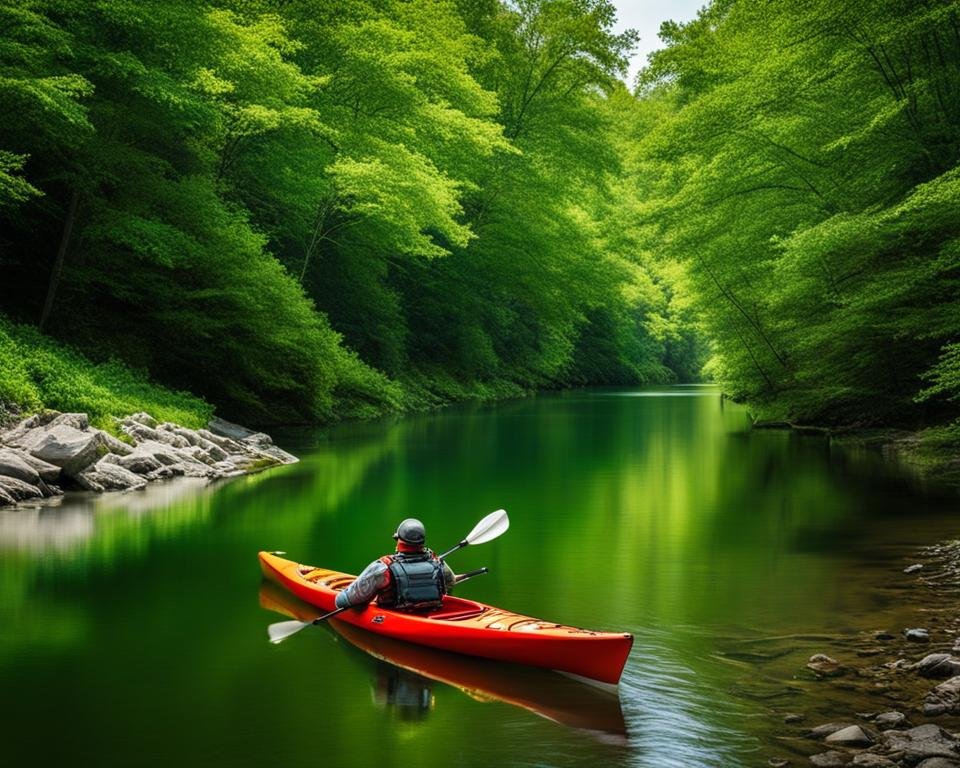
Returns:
<point x="318" y="208"/>
<point x="37" y="372"/>
<point x="302" y="210"/>
<point x="801" y="160"/>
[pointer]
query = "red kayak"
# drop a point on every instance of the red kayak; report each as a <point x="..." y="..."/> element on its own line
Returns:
<point x="555" y="697"/>
<point x="465" y="626"/>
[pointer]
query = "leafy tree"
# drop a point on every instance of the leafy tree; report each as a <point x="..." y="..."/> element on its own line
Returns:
<point x="302" y="210"/>
<point x="804" y="172"/>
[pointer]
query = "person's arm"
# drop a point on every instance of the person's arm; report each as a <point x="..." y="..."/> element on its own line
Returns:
<point x="449" y="578"/>
<point x="364" y="588"/>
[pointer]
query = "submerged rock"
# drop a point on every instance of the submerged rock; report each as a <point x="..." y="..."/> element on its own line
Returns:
<point x="822" y="731"/>
<point x="872" y="760"/>
<point x="824" y="666"/>
<point x="917" y="635"/>
<point x="831" y="759"/>
<point x="913" y="568"/>
<point x="944" y="699"/>
<point x="851" y="736"/>
<point x="887" y="720"/>
<point x="921" y="743"/>
<point x="937" y="665"/>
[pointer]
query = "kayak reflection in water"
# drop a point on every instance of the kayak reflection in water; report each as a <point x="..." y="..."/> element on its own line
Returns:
<point x="408" y="693"/>
<point x="411" y="579"/>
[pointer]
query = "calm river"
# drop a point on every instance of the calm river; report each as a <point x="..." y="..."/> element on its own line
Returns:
<point x="133" y="627"/>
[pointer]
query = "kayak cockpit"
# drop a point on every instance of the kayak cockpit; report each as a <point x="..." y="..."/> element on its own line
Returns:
<point x="453" y="608"/>
<point x="457" y="609"/>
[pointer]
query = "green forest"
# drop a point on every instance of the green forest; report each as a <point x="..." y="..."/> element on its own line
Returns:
<point x="306" y="210"/>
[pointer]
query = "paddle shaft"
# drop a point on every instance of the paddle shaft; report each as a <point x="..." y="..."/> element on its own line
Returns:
<point x="321" y="619"/>
<point x="469" y="575"/>
<point x="461" y="545"/>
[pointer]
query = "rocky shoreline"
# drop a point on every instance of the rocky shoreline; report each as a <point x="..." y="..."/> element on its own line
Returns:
<point x="911" y="676"/>
<point x="49" y="453"/>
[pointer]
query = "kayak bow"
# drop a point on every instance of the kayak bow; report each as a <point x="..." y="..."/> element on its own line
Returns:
<point x="464" y="626"/>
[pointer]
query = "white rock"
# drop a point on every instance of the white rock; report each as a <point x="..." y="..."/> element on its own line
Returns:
<point x="19" y="490"/>
<point x="887" y="720"/>
<point x="188" y="434"/>
<point x="37" y="420"/>
<point x="75" y="420"/>
<point x="851" y="736"/>
<point x="140" y="462"/>
<point x="143" y="418"/>
<point x="12" y="464"/>
<point x="226" y="428"/>
<point x="64" y="446"/>
<point x="114" y="445"/>
<point x="49" y="473"/>
<point x="105" y="476"/>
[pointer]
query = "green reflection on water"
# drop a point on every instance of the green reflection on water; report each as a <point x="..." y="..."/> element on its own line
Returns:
<point x="130" y="625"/>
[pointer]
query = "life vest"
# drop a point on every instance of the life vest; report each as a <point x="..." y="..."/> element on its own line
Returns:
<point x="416" y="581"/>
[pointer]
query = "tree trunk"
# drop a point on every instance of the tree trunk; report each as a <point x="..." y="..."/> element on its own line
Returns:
<point x="61" y="255"/>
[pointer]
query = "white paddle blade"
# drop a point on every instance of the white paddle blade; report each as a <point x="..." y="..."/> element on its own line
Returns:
<point x="283" y="629"/>
<point x="493" y="525"/>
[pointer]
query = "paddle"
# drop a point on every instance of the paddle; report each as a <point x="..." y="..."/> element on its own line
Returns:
<point x="493" y="525"/>
<point x="283" y="629"/>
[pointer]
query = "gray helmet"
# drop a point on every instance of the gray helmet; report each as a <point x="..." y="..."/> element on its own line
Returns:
<point x="411" y="531"/>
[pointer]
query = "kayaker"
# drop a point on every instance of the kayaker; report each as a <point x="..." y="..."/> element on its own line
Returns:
<point x="412" y="578"/>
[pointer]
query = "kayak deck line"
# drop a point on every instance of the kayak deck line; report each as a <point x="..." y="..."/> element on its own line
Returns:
<point x="465" y="626"/>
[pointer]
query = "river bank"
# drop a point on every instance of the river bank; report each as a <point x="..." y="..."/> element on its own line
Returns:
<point x="932" y="453"/>
<point x="51" y="452"/>
<point x="906" y="681"/>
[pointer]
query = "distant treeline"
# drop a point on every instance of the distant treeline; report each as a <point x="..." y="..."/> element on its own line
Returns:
<point x="307" y="209"/>
<point x="801" y="159"/>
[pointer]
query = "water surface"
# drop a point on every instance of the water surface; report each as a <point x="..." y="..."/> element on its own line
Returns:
<point x="132" y="630"/>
